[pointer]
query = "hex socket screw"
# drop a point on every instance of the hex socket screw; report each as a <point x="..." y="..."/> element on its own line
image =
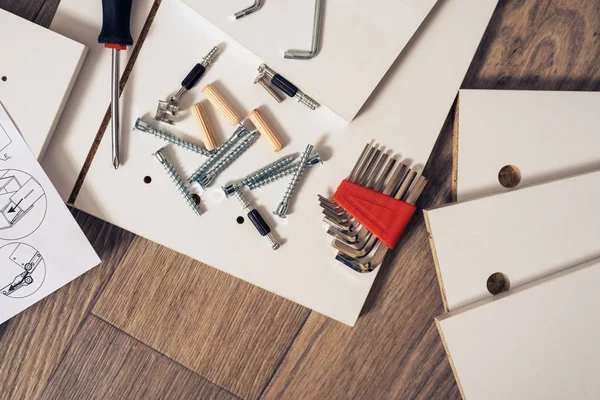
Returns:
<point x="178" y="181"/>
<point x="228" y="159"/>
<point x="286" y="171"/>
<point x="257" y="220"/>
<point x="233" y="187"/>
<point x="239" y="133"/>
<point x="281" y="210"/>
<point x="169" y="138"/>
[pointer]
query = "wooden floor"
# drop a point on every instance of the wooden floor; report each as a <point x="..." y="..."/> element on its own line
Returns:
<point x="150" y="323"/>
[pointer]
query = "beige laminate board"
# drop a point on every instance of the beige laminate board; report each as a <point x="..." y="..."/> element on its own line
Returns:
<point x="546" y="135"/>
<point x="537" y="342"/>
<point x="525" y="234"/>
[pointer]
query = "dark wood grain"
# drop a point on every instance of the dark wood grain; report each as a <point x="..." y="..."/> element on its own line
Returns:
<point x="227" y="330"/>
<point x="33" y="343"/>
<point x="105" y="363"/>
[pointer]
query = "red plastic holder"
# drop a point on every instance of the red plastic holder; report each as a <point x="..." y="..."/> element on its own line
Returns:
<point x="385" y="216"/>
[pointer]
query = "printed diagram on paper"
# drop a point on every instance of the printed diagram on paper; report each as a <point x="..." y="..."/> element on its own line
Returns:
<point x="26" y="265"/>
<point x="22" y="204"/>
<point x="42" y="248"/>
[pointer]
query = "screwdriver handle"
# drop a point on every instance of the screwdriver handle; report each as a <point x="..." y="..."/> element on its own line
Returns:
<point x="116" y="19"/>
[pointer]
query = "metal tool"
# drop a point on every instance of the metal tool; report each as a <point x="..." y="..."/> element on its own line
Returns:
<point x="287" y="87"/>
<point x="282" y="208"/>
<point x="316" y="37"/>
<point x="375" y="258"/>
<point x="179" y="183"/>
<point x="266" y="179"/>
<point x="274" y="167"/>
<point x="167" y="110"/>
<point x="247" y="11"/>
<point x="257" y="220"/>
<point x="260" y="79"/>
<point x="142" y="126"/>
<point x="116" y="35"/>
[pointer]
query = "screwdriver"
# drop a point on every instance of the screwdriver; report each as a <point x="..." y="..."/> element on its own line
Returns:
<point x="116" y="35"/>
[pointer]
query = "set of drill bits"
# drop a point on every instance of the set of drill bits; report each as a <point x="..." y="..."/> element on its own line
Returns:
<point x="371" y="208"/>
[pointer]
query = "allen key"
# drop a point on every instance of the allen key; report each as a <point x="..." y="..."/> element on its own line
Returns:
<point x="250" y="10"/>
<point x="316" y="37"/>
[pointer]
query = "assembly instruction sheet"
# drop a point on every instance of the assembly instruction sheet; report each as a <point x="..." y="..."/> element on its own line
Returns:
<point x="41" y="246"/>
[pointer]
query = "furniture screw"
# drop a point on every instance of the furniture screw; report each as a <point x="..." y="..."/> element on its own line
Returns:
<point x="293" y="186"/>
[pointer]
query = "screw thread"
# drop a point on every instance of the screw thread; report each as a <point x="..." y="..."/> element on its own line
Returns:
<point x="286" y="171"/>
<point x="210" y="57"/>
<point x="298" y="174"/>
<point x="269" y="169"/>
<point x="243" y="201"/>
<point x="169" y="138"/>
<point x="307" y="101"/>
<point x="234" y="154"/>
<point x="179" y="183"/>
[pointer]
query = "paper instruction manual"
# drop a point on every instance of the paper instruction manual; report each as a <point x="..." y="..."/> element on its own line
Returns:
<point x="42" y="248"/>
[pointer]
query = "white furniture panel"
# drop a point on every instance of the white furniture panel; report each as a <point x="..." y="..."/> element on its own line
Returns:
<point x="538" y="342"/>
<point x="525" y="234"/>
<point x="360" y="41"/>
<point x="37" y="71"/>
<point x="546" y="135"/>
<point x="406" y="115"/>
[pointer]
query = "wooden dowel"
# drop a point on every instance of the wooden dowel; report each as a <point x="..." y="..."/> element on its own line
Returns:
<point x="265" y="130"/>
<point x="205" y="130"/>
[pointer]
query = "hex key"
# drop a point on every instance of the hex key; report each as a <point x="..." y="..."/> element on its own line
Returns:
<point x="370" y="262"/>
<point x="316" y="37"/>
<point x="247" y="11"/>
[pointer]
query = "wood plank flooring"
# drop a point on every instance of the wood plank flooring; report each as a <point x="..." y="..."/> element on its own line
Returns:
<point x="150" y="323"/>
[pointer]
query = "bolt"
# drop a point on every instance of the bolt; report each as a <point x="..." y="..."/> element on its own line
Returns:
<point x="243" y="145"/>
<point x="286" y="171"/>
<point x="167" y="137"/>
<point x="283" y="206"/>
<point x="199" y="174"/>
<point x="179" y="183"/>
<point x="274" y="167"/>
<point x="261" y="80"/>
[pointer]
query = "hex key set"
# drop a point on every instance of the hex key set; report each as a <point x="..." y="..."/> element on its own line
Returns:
<point x="371" y="208"/>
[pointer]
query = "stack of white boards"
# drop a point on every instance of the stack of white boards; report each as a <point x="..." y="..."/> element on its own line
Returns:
<point x="38" y="69"/>
<point x="413" y="98"/>
<point x="537" y="338"/>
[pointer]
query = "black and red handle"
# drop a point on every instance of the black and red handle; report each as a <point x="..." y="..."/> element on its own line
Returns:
<point x="116" y="20"/>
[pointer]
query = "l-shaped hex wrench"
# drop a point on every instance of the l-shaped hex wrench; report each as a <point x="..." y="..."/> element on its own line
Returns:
<point x="247" y="11"/>
<point x="316" y="37"/>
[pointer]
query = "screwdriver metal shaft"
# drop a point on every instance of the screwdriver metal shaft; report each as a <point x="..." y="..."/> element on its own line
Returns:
<point x="115" y="125"/>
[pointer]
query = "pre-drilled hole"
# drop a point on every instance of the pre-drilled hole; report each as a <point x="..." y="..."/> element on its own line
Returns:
<point x="509" y="176"/>
<point x="240" y="220"/>
<point x="147" y="180"/>
<point x="4" y="79"/>
<point x="196" y="198"/>
<point x="498" y="283"/>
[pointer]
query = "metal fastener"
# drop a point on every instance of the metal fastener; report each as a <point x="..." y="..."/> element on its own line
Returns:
<point x="179" y="183"/>
<point x="243" y="145"/>
<point x="257" y="220"/>
<point x="293" y="185"/>
<point x="167" y="137"/>
<point x="260" y="79"/>
<point x="239" y="133"/>
<point x="233" y="187"/>
<point x="287" y="87"/>
<point x="286" y="171"/>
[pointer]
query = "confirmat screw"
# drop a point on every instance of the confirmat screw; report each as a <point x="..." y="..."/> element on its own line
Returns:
<point x="169" y="138"/>
<point x="199" y="174"/>
<point x="283" y="206"/>
<point x="285" y="171"/>
<point x="179" y="183"/>
<point x="243" y="145"/>
<point x="276" y="166"/>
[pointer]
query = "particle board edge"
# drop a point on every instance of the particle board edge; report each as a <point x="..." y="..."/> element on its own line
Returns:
<point x="438" y="271"/>
<point x="455" y="150"/>
<point x="450" y="360"/>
